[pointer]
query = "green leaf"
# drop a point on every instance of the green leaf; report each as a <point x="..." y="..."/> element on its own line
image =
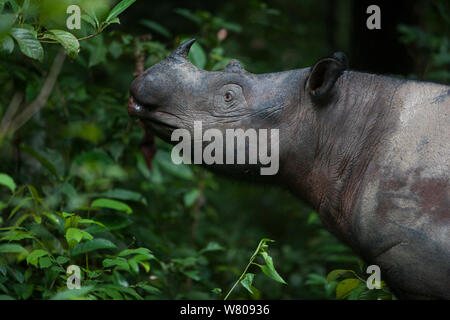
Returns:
<point x="271" y="269"/>
<point x="212" y="246"/>
<point x="123" y="194"/>
<point x="181" y="171"/>
<point x="197" y="56"/>
<point x="7" y="44"/>
<point x="88" y="19"/>
<point x="217" y="290"/>
<point x="344" y="287"/>
<point x="45" y="262"/>
<point x="91" y="245"/>
<point x="338" y="273"/>
<point x="90" y="221"/>
<point x="142" y="251"/>
<point x="33" y="257"/>
<point x="13" y="248"/>
<point x="28" y="43"/>
<point x="62" y="260"/>
<point x="190" y="197"/>
<point x="188" y="15"/>
<point x="272" y="273"/>
<point x="7" y="181"/>
<point x="152" y="25"/>
<point x="119" y="263"/>
<point x="16" y="235"/>
<point x="75" y="235"/>
<point x="119" y="8"/>
<point x="67" y="40"/>
<point x="111" y="204"/>
<point x="73" y="294"/>
<point x="247" y="282"/>
<point x="45" y="163"/>
<point x="193" y="274"/>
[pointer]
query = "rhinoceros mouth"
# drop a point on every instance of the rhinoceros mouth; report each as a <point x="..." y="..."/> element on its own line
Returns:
<point x="151" y="117"/>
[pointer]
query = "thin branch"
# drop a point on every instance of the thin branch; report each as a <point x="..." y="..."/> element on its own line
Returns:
<point x="10" y="112"/>
<point x="42" y="98"/>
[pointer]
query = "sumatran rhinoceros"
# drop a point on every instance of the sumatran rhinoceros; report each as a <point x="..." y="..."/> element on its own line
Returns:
<point x="370" y="153"/>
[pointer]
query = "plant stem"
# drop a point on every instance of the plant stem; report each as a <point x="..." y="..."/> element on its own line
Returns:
<point x="246" y="268"/>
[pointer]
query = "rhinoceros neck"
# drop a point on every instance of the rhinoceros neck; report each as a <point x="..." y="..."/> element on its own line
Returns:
<point x="346" y="134"/>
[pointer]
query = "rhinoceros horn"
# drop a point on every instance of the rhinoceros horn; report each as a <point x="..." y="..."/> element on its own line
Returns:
<point x="183" y="50"/>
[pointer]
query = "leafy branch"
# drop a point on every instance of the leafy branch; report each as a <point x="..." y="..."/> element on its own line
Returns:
<point x="246" y="279"/>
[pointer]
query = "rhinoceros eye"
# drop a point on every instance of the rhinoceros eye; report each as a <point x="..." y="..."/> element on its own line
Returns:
<point x="228" y="96"/>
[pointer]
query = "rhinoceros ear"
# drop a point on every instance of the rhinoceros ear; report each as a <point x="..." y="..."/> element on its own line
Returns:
<point x="234" y="66"/>
<point x="324" y="74"/>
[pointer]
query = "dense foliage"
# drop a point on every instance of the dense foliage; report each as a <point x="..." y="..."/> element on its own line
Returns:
<point x="75" y="188"/>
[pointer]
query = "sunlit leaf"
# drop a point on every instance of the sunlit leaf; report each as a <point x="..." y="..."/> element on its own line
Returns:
<point x="345" y="287"/>
<point x="247" y="282"/>
<point x="118" y="9"/>
<point x="67" y="40"/>
<point x="111" y="204"/>
<point x="7" y="181"/>
<point x="91" y="245"/>
<point x="28" y="43"/>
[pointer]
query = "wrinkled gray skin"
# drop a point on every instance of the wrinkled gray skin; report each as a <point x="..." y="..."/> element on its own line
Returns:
<point x="370" y="153"/>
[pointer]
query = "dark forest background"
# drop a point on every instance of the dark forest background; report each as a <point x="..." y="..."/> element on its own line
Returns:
<point x="74" y="185"/>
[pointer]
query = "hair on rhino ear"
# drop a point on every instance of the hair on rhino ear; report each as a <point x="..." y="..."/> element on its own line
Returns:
<point x="234" y="66"/>
<point x="323" y="76"/>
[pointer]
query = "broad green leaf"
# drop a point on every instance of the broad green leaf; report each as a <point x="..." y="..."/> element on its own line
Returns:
<point x="67" y="40"/>
<point x="181" y="171"/>
<point x="33" y="257"/>
<point x="152" y="25"/>
<point x="72" y="294"/>
<point x="211" y="246"/>
<point x="7" y="44"/>
<point x="344" y="287"/>
<point x="190" y="197"/>
<point x="28" y="43"/>
<point x="119" y="263"/>
<point x="91" y="245"/>
<point x="62" y="260"/>
<point x="75" y="235"/>
<point x="188" y="15"/>
<point x="7" y="181"/>
<point x="197" y="56"/>
<point x="90" y="221"/>
<point x="13" y="248"/>
<point x="16" y="235"/>
<point x="133" y="265"/>
<point x="111" y="204"/>
<point x="123" y="194"/>
<point x="217" y="290"/>
<point x="269" y="269"/>
<point x="118" y="9"/>
<point x="273" y="273"/>
<point x="45" y="262"/>
<point x="143" y="251"/>
<point x="45" y="163"/>
<point x="338" y="273"/>
<point x="247" y="282"/>
<point x="148" y="288"/>
<point x="193" y="274"/>
<point x="89" y="20"/>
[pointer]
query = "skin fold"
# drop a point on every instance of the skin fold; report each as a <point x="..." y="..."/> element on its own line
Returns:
<point x="370" y="153"/>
